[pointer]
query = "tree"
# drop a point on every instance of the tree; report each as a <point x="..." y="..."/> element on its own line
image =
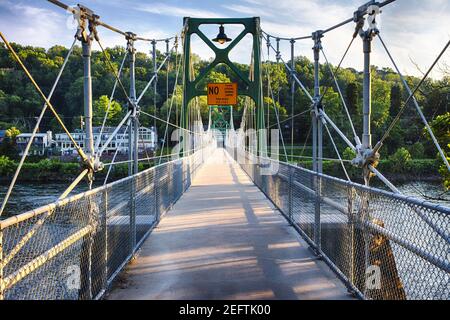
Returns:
<point x="381" y="94"/>
<point x="351" y="93"/>
<point x="100" y="107"/>
<point x="400" y="160"/>
<point x="12" y="133"/>
<point x="441" y="129"/>
<point x="8" y="147"/>
<point x="396" y="100"/>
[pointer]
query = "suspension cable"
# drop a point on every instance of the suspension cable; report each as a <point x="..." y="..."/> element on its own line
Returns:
<point x="139" y="137"/>
<point x="322" y="158"/>
<point x="338" y="25"/>
<point x="292" y="117"/>
<point x="269" y="87"/>
<point x="105" y="145"/>
<point x="344" y="104"/>
<point x="113" y="71"/>
<point x="170" y="123"/>
<point x="291" y="72"/>
<point x="49" y="104"/>
<point x="36" y="127"/>
<point x="103" y="24"/>
<point x="152" y="79"/>
<point x="110" y="100"/>
<point x="115" y="154"/>
<point x="414" y="100"/>
<point x="336" y="150"/>
<point x="169" y="112"/>
<point x="397" y="117"/>
<point x="306" y="140"/>
<point x="339" y="65"/>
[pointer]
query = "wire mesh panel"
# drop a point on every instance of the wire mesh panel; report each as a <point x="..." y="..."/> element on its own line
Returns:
<point x="303" y="202"/>
<point x="74" y="248"/>
<point x="383" y="245"/>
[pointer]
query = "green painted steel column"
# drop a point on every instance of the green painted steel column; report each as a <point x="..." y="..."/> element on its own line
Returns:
<point x="257" y="79"/>
<point x="187" y="95"/>
<point x="253" y="85"/>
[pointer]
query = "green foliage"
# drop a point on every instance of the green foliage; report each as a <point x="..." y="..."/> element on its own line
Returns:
<point x="381" y="95"/>
<point x="12" y="133"/>
<point x="400" y="160"/>
<point x="396" y="98"/>
<point x="417" y="150"/>
<point x="8" y="146"/>
<point x="7" y="166"/>
<point x="100" y="107"/>
<point x="441" y="129"/>
<point x="20" y="104"/>
<point x="348" y="154"/>
<point x="277" y="75"/>
<point x="443" y="170"/>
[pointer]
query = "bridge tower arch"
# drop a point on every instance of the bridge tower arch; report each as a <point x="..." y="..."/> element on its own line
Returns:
<point x="253" y="83"/>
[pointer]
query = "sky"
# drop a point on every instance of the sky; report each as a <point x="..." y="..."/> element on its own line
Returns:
<point x="415" y="31"/>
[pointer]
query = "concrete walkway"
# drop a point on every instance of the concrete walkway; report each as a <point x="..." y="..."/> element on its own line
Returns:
<point x="225" y="240"/>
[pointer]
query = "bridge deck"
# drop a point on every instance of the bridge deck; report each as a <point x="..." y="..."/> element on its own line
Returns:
<point x="225" y="240"/>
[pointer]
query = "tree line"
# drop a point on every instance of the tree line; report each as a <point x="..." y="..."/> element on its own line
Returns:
<point x="20" y="104"/>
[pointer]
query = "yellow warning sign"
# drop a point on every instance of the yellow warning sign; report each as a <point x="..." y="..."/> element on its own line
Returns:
<point x="222" y="94"/>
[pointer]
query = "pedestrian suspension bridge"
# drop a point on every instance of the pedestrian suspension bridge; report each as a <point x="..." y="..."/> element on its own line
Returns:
<point x="226" y="215"/>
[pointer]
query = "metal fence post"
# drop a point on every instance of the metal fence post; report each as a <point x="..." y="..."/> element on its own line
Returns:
<point x="155" y="187"/>
<point x="291" y="198"/>
<point x="317" y="222"/>
<point x="88" y="240"/>
<point x="2" y="293"/>
<point x="86" y="44"/>
<point x="317" y="138"/>
<point x="133" y="138"/>
<point x="367" y="99"/>
<point x="351" y="230"/>
<point x="105" y="239"/>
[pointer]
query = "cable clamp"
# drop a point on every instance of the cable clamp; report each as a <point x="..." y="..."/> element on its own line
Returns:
<point x="316" y="36"/>
<point x="130" y="37"/>
<point x="372" y="9"/>
<point x="365" y="157"/>
<point x="167" y="47"/>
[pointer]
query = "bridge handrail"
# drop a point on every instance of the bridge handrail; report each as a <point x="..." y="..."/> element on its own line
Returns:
<point x="10" y="221"/>
<point x="357" y="227"/>
<point x="412" y="199"/>
<point x="38" y="248"/>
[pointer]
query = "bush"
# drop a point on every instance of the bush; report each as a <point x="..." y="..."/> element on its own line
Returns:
<point x="400" y="160"/>
<point x="348" y="154"/>
<point x="7" y="166"/>
<point x="445" y="174"/>
<point x="417" y="150"/>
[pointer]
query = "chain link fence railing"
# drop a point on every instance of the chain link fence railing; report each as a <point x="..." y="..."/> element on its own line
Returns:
<point x="74" y="248"/>
<point x="382" y="245"/>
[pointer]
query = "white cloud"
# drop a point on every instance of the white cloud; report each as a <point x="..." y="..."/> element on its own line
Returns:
<point x="412" y="29"/>
<point x="252" y="11"/>
<point x="176" y="11"/>
<point x="35" y="26"/>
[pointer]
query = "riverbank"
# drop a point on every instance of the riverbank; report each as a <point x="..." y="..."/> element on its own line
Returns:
<point x="56" y="171"/>
<point x="426" y="170"/>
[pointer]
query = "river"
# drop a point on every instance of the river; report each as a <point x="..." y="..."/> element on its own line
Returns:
<point x="30" y="196"/>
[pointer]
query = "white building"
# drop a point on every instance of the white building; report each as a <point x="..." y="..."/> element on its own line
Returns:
<point x="41" y="142"/>
<point x="147" y="140"/>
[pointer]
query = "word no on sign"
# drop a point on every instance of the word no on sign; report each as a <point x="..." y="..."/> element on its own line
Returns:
<point x="222" y="93"/>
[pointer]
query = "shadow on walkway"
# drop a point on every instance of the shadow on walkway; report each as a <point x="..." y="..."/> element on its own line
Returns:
<point x="224" y="240"/>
